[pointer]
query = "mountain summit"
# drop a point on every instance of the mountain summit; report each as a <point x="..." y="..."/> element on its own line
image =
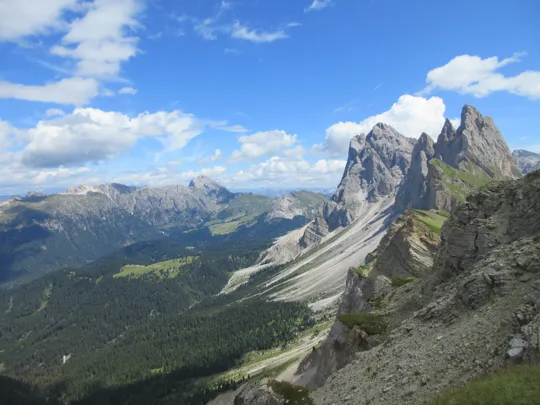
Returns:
<point x="477" y="141"/>
<point x="444" y="173"/>
<point x="526" y="161"/>
<point x="375" y="165"/>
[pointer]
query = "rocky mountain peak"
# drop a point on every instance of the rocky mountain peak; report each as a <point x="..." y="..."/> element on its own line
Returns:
<point x="447" y="135"/>
<point x="375" y="165"/>
<point x="526" y="161"/>
<point x="477" y="141"/>
<point x="205" y="183"/>
<point x="108" y="189"/>
<point x="211" y="188"/>
<point x="413" y="192"/>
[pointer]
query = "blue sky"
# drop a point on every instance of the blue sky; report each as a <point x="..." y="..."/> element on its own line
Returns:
<point x="261" y="93"/>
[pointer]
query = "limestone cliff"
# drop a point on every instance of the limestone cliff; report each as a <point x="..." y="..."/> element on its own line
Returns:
<point x="413" y="192"/>
<point x="476" y="311"/>
<point x="526" y="161"/>
<point x="407" y="250"/>
<point x="443" y="174"/>
<point x="376" y="165"/>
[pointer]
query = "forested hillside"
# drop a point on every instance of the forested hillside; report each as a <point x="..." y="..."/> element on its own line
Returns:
<point x="91" y="331"/>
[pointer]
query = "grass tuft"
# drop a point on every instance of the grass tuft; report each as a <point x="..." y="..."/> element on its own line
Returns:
<point x="513" y="386"/>
<point x="401" y="281"/>
<point x="291" y="394"/>
<point x="372" y="324"/>
<point x="432" y="219"/>
<point x="360" y="270"/>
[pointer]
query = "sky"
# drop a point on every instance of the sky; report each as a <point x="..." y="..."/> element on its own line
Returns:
<point x="252" y="93"/>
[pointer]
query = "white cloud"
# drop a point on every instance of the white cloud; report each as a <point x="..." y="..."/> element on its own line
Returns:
<point x="223" y="126"/>
<point x="282" y="172"/>
<point x="410" y="116"/>
<point x="209" y="159"/>
<point x="318" y="5"/>
<point x="75" y="90"/>
<point x="102" y="39"/>
<point x="231" y="51"/>
<point x="262" y="144"/>
<point x="165" y="176"/>
<point x="207" y="29"/>
<point x="241" y="32"/>
<point x="51" y="112"/>
<point x="5" y="141"/>
<point x="127" y="90"/>
<point x="225" y="5"/>
<point x="89" y="135"/>
<point x="468" y="74"/>
<point x="24" y="18"/>
<point x="455" y="122"/>
<point x="46" y="176"/>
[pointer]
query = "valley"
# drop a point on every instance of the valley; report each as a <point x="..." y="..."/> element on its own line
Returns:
<point x="329" y="294"/>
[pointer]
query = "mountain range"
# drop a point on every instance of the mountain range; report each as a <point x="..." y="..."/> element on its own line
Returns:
<point x="419" y="274"/>
<point x="39" y="233"/>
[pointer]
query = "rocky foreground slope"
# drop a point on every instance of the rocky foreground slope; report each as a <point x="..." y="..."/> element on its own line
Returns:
<point x="429" y="308"/>
<point x="474" y="311"/>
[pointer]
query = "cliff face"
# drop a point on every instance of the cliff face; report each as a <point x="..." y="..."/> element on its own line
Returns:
<point x="477" y="141"/>
<point x="414" y="190"/>
<point x="444" y="173"/>
<point x="375" y="166"/>
<point x="407" y="250"/>
<point x="526" y="161"/>
<point x="476" y="311"/>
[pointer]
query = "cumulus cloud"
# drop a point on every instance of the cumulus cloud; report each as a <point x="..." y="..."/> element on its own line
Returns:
<point x="5" y="141"/>
<point x="24" y="18"/>
<point x="89" y="135"/>
<point x="165" y="176"/>
<point x="102" y="39"/>
<point x="127" y="90"/>
<point x="262" y="144"/>
<point x="214" y="158"/>
<point x="75" y="90"/>
<point x="282" y="172"/>
<point x="468" y="74"/>
<point x="51" y="112"/>
<point x="19" y="179"/>
<point x="410" y="116"/>
<point x="318" y="5"/>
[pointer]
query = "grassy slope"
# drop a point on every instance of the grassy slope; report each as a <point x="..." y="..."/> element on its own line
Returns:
<point x="514" y="386"/>
<point x="461" y="182"/>
<point x="373" y="324"/>
<point x="433" y="219"/>
<point x="165" y="269"/>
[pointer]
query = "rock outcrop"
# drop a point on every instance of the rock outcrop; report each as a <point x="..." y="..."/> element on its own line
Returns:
<point x="476" y="311"/>
<point x="444" y="173"/>
<point x="526" y="161"/>
<point x="375" y="167"/>
<point x="407" y="250"/>
<point x="477" y="141"/>
<point x="298" y="203"/>
<point x="414" y="191"/>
